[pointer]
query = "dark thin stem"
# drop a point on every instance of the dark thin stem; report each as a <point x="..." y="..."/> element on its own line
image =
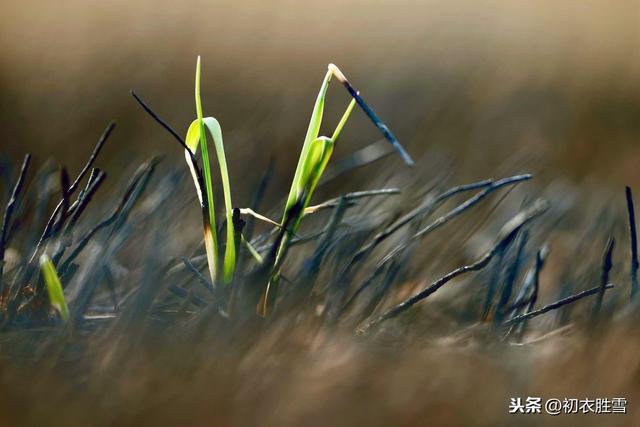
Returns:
<point x="420" y="211"/>
<point x="161" y="122"/>
<point x="528" y="295"/>
<point x="634" y="243"/>
<point x="493" y="283"/>
<point x="134" y="189"/>
<point x="95" y="181"/>
<point x="349" y="197"/>
<point x="529" y="290"/>
<point x="488" y="185"/>
<point x="187" y="296"/>
<point x="557" y="304"/>
<point x="65" y="194"/>
<point x="607" y="265"/>
<point x="8" y="213"/>
<point x="458" y="210"/>
<point x="384" y="129"/>
<point x="59" y="215"/>
<point x="201" y="279"/>
<point x="92" y="158"/>
<point x="51" y="224"/>
<point x="488" y="215"/>
<point x="194" y="163"/>
<point x="508" y="232"/>
<point x="510" y="279"/>
<point x="536" y="288"/>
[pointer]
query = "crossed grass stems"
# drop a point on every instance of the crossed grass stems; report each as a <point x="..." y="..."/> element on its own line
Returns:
<point x="510" y="313"/>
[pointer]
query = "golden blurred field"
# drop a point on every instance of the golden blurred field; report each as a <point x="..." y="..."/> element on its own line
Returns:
<point x="478" y="78"/>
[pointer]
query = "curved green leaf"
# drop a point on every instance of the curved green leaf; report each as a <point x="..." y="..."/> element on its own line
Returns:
<point x="193" y="140"/>
<point x="230" y="251"/>
<point x="312" y="134"/>
<point x="54" y="287"/>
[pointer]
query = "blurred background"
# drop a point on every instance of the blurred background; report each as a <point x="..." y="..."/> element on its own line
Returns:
<point x="473" y="88"/>
<point x="478" y="81"/>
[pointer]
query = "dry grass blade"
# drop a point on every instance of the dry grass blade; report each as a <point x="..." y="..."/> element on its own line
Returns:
<point x="607" y="265"/>
<point x="633" y="238"/>
<point x="8" y="213"/>
<point x="134" y="189"/>
<point x="201" y="279"/>
<point x="557" y="304"/>
<point x="173" y="133"/>
<point x="418" y="212"/>
<point x="349" y="197"/>
<point x="528" y="296"/>
<point x="457" y="211"/>
<point x="92" y="158"/>
<point x="95" y="181"/>
<point x="488" y="187"/>
<point x="254" y="214"/>
<point x="384" y="129"/>
<point x="51" y="224"/>
<point x="512" y="272"/>
<point x="506" y="235"/>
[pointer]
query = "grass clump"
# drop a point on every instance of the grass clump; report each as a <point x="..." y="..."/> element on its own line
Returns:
<point x="313" y="160"/>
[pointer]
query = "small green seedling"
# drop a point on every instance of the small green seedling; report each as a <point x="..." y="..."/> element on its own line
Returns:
<point x="54" y="287"/>
<point x="196" y="136"/>
<point x="312" y="163"/>
<point x="313" y="160"/>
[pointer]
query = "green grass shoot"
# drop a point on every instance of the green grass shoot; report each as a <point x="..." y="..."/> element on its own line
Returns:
<point x="315" y="154"/>
<point x="312" y="163"/>
<point x="54" y="287"/>
<point x="314" y="157"/>
<point x="196" y="136"/>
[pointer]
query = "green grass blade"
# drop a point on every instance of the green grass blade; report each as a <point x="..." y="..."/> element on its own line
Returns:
<point x="209" y="225"/>
<point x="312" y="134"/>
<point x="204" y="150"/>
<point x="192" y="141"/>
<point x="315" y="163"/>
<point x="54" y="287"/>
<point x="229" y="263"/>
<point x="343" y="121"/>
<point x="311" y="165"/>
<point x="196" y="136"/>
<point x="252" y="250"/>
<point x="318" y="155"/>
<point x="322" y="149"/>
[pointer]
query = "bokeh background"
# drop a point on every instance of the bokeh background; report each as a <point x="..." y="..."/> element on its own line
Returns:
<point x="473" y="89"/>
<point x="477" y="81"/>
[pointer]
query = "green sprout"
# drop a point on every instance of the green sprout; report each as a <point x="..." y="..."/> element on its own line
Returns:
<point x="314" y="157"/>
<point x="312" y="163"/>
<point x="196" y="136"/>
<point x="54" y="287"/>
